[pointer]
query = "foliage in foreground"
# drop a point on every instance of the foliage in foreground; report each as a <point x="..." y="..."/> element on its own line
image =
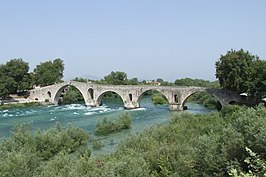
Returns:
<point x="220" y="144"/>
<point x="27" y="154"/>
<point x="107" y="126"/>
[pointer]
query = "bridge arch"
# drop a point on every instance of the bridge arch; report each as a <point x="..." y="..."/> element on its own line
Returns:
<point x="101" y="95"/>
<point x="151" y="89"/>
<point x="59" y="91"/>
<point x="221" y="104"/>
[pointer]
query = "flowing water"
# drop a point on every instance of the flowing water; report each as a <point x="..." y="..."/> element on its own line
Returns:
<point x="78" y="115"/>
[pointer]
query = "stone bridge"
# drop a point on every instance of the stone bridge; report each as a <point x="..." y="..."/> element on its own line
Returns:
<point x="130" y="94"/>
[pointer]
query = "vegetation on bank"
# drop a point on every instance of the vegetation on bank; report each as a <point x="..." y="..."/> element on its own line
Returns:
<point x="158" y="98"/>
<point x="106" y="126"/>
<point x="205" y="99"/>
<point x="28" y="154"/>
<point x="229" y="143"/>
<point x="72" y="96"/>
<point x="20" y="105"/>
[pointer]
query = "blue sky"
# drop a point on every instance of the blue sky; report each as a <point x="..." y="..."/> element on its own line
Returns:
<point x="147" y="39"/>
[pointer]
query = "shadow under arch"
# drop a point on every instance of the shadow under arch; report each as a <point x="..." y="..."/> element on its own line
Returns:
<point x="212" y="101"/>
<point x="63" y="90"/>
<point x="233" y="102"/>
<point x="150" y="90"/>
<point x="113" y="93"/>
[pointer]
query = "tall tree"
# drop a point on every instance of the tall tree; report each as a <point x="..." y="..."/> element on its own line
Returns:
<point x="257" y="85"/>
<point x="59" y="67"/>
<point x="49" y="72"/>
<point x="116" y="78"/>
<point x="7" y="86"/>
<point x="234" y="70"/>
<point x="18" y="70"/>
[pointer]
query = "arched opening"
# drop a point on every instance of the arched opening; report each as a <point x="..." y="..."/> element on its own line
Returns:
<point x="130" y="97"/>
<point x="110" y="99"/>
<point x="201" y="102"/>
<point x="69" y="95"/>
<point x="175" y="98"/>
<point x="36" y="99"/>
<point x="49" y="94"/>
<point x="152" y="98"/>
<point x="91" y="94"/>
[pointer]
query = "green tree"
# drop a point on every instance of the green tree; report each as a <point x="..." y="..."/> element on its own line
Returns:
<point x="116" y="78"/>
<point x="258" y="75"/>
<point x="7" y="86"/>
<point x="234" y="70"/>
<point x="59" y="67"/>
<point x="18" y="70"/>
<point x="133" y="81"/>
<point x="49" y="72"/>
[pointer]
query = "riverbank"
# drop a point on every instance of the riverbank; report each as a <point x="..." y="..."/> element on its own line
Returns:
<point x="19" y="105"/>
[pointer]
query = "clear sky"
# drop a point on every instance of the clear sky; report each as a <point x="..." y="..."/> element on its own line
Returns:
<point x="147" y="39"/>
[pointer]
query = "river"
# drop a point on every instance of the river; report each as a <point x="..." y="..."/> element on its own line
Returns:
<point x="84" y="117"/>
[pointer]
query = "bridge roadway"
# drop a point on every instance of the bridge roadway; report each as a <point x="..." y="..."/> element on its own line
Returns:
<point x="130" y="94"/>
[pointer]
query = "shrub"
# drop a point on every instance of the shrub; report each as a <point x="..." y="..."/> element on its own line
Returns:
<point x="97" y="144"/>
<point x="106" y="126"/>
<point x="26" y="153"/>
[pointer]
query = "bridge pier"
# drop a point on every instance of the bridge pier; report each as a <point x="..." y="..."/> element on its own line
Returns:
<point x="131" y="105"/>
<point x="176" y="107"/>
<point x="91" y="103"/>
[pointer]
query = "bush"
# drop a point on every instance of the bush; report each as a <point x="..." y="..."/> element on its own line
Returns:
<point x="106" y="126"/>
<point x="97" y="144"/>
<point x="25" y="152"/>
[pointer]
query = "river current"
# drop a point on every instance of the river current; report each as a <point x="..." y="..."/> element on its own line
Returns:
<point x="78" y="115"/>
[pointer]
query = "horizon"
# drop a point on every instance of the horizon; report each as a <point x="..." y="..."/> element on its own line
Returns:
<point x="145" y="39"/>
